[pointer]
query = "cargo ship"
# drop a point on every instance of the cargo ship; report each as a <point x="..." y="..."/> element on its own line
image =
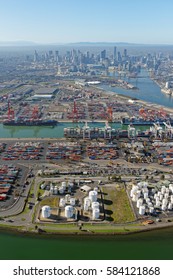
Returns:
<point x="30" y="122"/>
<point x="141" y="122"/>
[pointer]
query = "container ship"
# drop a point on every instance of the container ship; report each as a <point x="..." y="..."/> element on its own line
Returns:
<point x="141" y="122"/>
<point x="30" y="122"/>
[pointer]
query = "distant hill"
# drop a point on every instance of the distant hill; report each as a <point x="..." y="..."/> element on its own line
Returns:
<point x="16" y="43"/>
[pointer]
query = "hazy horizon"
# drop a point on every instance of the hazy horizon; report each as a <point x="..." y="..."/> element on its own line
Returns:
<point x="70" y="21"/>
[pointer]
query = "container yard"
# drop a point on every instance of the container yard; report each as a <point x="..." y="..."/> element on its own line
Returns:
<point x="97" y="151"/>
<point x="8" y="175"/>
<point x="23" y="151"/>
<point x="64" y="150"/>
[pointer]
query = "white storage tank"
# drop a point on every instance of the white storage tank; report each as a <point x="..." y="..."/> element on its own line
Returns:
<point x="62" y="202"/>
<point x="93" y="196"/>
<point x="138" y="193"/>
<point x="159" y="193"/>
<point x="95" y="213"/>
<point x="135" y="197"/>
<point x="72" y="201"/>
<point x="150" y="204"/>
<point x="151" y="210"/>
<point x="46" y="211"/>
<point x="139" y="203"/>
<point x="142" y="210"/>
<point x="63" y="185"/>
<point x="61" y="190"/>
<point x="52" y="190"/>
<point x="164" y="201"/>
<point x="170" y="206"/>
<point x="166" y="195"/>
<point x="163" y="207"/>
<point x="69" y="210"/>
<point x="157" y="204"/>
<point x="87" y="201"/>
<point x="86" y="207"/>
<point x="55" y="190"/>
<point x="145" y="195"/>
<point x="95" y="205"/>
<point x="67" y="198"/>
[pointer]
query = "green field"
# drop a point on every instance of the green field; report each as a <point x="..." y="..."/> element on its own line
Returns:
<point x="116" y="205"/>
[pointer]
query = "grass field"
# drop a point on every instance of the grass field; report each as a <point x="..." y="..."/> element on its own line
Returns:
<point x="51" y="201"/>
<point x="116" y="204"/>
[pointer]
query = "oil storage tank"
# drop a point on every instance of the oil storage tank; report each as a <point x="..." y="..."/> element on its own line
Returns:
<point x="69" y="210"/>
<point x="93" y="196"/>
<point x="46" y="211"/>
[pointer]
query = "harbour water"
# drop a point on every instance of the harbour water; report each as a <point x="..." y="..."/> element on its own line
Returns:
<point x="148" y="90"/>
<point x="147" y="245"/>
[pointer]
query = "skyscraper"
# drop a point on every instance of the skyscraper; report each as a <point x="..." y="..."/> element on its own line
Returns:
<point x="115" y="53"/>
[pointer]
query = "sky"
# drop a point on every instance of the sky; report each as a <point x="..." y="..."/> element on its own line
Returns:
<point x="68" y="21"/>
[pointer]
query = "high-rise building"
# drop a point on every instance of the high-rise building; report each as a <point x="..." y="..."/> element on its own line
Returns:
<point x="103" y="54"/>
<point x="115" y="53"/>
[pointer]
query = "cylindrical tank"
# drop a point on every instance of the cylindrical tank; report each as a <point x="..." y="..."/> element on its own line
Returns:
<point x="139" y="203"/>
<point x="67" y="198"/>
<point x="62" y="202"/>
<point x="159" y="193"/>
<point x="61" y="190"/>
<point x="166" y="195"/>
<point x="72" y="201"/>
<point x="142" y="210"/>
<point x="157" y="204"/>
<point x="69" y="210"/>
<point x="55" y="190"/>
<point x="51" y="190"/>
<point x="145" y="195"/>
<point x="95" y="213"/>
<point x="167" y="190"/>
<point x="161" y="196"/>
<point x="93" y="196"/>
<point x="46" y="211"/>
<point x="63" y="184"/>
<point x="170" y="206"/>
<point x="138" y="193"/>
<point x="163" y="190"/>
<point x="86" y="207"/>
<point x="135" y="197"/>
<point x="95" y="205"/>
<point x="164" y="201"/>
<point x="87" y="201"/>
<point x="163" y="207"/>
<point x="150" y="204"/>
<point x="151" y="210"/>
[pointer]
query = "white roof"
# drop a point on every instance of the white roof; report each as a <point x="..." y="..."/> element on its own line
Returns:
<point x="85" y="188"/>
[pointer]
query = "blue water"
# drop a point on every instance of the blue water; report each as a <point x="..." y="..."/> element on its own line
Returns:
<point x="148" y="90"/>
<point x="45" y="132"/>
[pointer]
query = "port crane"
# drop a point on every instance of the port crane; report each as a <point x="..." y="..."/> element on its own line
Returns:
<point x="10" y="112"/>
<point x="168" y="129"/>
<point x="110" y="114"/>
<point x="157" y="130"/>
<point x="75" y="112"/>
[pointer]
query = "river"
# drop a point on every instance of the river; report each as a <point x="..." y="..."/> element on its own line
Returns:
<point x="148" y="90"/>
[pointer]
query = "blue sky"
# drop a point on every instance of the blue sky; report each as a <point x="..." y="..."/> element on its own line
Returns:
<point x="63" y="21"/>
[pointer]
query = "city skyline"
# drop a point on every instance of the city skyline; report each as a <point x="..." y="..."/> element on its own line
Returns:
<point x="55" y="22"/>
